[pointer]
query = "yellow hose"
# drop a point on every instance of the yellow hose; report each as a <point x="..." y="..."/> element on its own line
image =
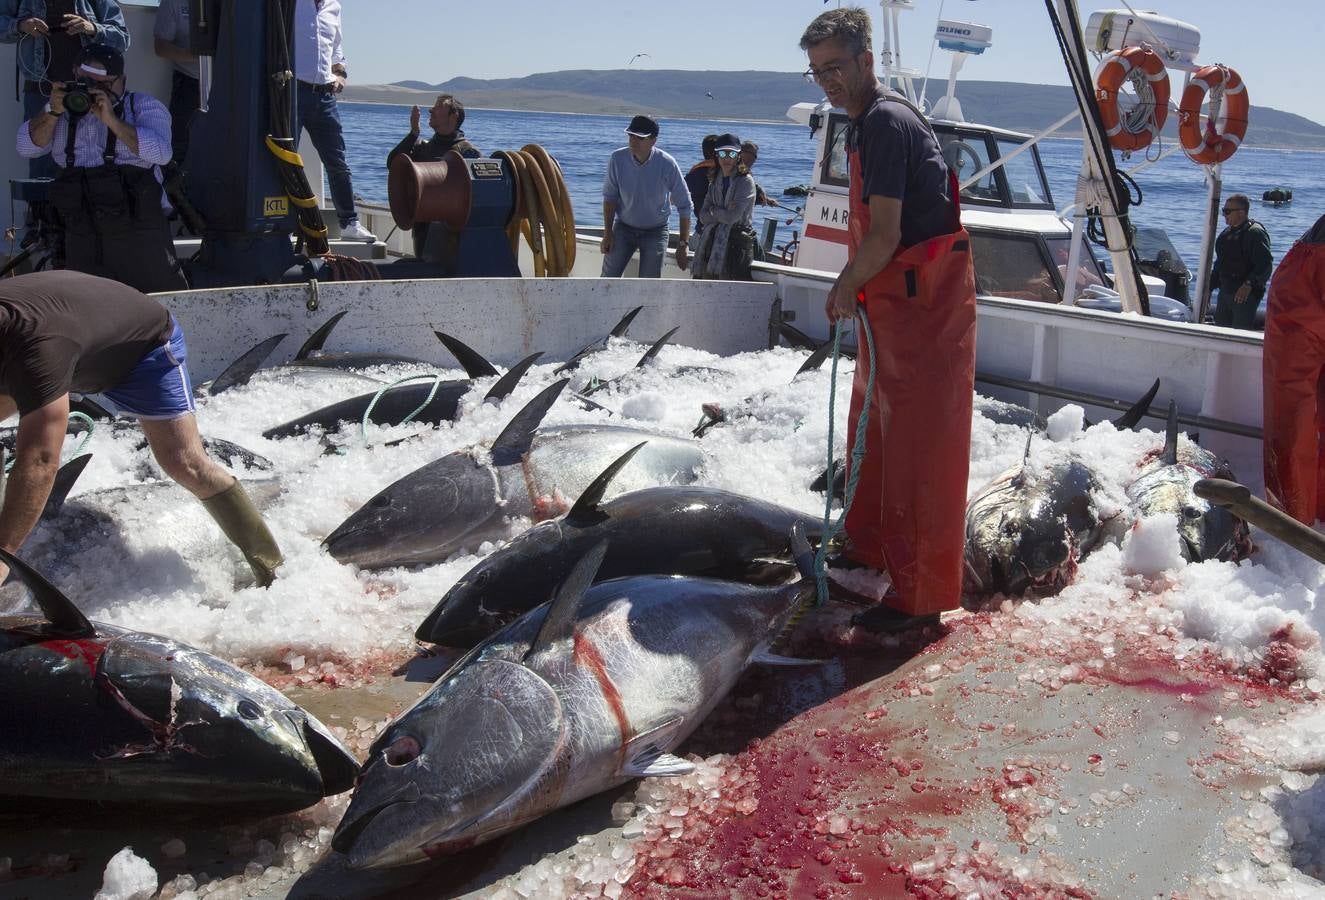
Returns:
<point x="543" y="210"/>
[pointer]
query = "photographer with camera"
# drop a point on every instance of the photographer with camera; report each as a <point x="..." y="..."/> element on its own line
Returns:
<point x="108" y="144"/>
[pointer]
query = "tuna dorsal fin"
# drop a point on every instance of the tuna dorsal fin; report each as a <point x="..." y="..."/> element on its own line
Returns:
<point x="90" y="408"/>
<point x="64" y="482"/>
<point x="242" y="369"/>
<point x="319" y="337"/>
<point x="1138" y="410"/>
<point x="559" y="623"/>
<point x="814" y="360"/>
<point x="67" y="620"/>
<point x="620" y="329"/>
<point x="514" y="441"/>
<point x="505" y="384"/>
<point x="796" y="337"/>
<point x="1171" y="435"/>
<point x="586" y="509"/>
<point x="657" y="345"/>
<point x="470" y="360"/>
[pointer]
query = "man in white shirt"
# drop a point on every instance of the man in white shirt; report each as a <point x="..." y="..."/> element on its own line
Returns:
<point x="319" y="66"/>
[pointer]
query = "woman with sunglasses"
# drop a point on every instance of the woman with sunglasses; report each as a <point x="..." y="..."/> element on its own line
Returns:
<point x="730" y="203"/>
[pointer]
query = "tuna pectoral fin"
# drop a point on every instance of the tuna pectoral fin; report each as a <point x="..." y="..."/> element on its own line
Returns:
<point x="65" y="618"/>
<point x="645" y="754"/>
<point x="242" y="369"/>
<point x="772" y="659"/>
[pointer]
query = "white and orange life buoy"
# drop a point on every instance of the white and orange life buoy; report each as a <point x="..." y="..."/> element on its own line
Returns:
<point x="1112" y="74"/>
<point x="1213" y="143"/>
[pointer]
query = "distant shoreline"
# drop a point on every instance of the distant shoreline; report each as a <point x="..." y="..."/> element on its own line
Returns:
<point x="562" y="112"/>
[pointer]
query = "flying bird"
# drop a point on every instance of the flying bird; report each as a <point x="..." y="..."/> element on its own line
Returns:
<point x="709" y="94"/>
<point x="635" y="57"/>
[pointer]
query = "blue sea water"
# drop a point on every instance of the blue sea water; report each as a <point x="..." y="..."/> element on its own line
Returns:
<point x="1173" y="191"/>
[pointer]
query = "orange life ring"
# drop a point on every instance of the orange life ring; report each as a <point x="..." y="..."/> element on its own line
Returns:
<point x="1210" y="145"/>
<point x="1109" y="79"/>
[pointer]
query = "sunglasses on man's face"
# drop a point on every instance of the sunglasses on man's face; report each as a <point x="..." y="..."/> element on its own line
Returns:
<point x="1232" y="209"/>
<point x="728" y="154"/>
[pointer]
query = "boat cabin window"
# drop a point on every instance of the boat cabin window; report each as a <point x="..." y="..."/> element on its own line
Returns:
<point x="834" y="168"/>
<point x="1025" y="177"/>
<point x="966" y="156"/>
<point x="1014" y="266"/>
<point x="1089" y="270"/>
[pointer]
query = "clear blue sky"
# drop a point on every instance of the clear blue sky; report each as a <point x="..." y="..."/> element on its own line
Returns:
<point x="1272" y="43"/>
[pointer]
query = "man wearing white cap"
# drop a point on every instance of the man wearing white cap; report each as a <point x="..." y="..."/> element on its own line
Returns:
<point x="108" y="145"/>
<point x="641" y="186"/>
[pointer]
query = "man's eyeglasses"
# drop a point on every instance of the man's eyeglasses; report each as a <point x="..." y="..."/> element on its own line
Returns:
<point x="819" y="76"/>
<point x="1232" y="209"/>
<point x="728" y="154"/>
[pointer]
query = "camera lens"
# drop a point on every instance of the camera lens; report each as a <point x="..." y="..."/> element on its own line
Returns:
<point x="77" y="100"/>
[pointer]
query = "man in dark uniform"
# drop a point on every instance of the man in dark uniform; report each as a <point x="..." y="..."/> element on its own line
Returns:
<point x="445" y="118"/>
<point x="1242" y="265"/>
<point x="67" y="331"/>
<point x="909" y="265"/>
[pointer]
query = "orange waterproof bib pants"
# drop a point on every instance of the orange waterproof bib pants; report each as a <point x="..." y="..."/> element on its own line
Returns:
<point x="1293" y="381"/>
<point x="909" y="511"/>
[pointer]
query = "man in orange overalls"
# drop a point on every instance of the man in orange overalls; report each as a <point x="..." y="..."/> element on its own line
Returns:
<point x="910" y="264"/>
<point x="1293" y="379"/>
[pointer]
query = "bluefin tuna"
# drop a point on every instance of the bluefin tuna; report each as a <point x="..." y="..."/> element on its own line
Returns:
<point x="1027" y="530"/>
<point x="470" y="496"/>
<point x="99" y="714"/>
<point x="1165" y="484"/>
<point x="673" y="530"/>
<point x="595" y="688"/>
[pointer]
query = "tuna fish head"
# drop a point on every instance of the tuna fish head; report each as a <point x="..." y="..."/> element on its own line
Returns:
<point x="1205" y="530"/>
<point x="456" y="768"/>
<point x="1025" y="532"/>
<point x="445" y="506"/>
<point x="219" y="728"/>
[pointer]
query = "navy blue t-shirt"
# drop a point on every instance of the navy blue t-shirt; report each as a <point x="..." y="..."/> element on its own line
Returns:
<point x="901" y="160"/>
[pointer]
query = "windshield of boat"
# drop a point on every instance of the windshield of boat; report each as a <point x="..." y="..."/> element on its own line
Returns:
<point x="1019" y="183"/>
<point x="1027" y="266"/>
<point x="1025" y="177"/>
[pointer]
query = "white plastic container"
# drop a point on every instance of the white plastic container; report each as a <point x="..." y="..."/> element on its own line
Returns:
<point x="1177" y="43"/>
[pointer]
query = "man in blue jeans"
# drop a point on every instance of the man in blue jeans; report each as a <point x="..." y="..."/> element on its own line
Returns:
<point x="319" y="67"/>
<point x="63" y="332"/>
<point x="641" y="186"/>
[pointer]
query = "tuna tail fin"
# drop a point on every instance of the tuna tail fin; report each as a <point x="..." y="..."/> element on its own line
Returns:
<point x="620" y="328"/>
<point x="559" y="623"/>
<point x="507" y="382"/>
<point x="657" y="346"/>
<point x="1171" y="436"/>
<point x="319" y="337"/>
<point x="518" y="435"/>
<point x="65" y="618"/>
<point x="470" y="360"/>
<point x="242" y="369"/>
<point x="586" y="510"/>
<point x="815" y="359"/>
<point x="64" y="482"/>
<point x="1138" y="410"/>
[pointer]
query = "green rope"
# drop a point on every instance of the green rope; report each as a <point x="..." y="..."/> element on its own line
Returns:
<point x="831" y="528"/>
<point x="436" y="383"/>
<point x="82" y="445"/>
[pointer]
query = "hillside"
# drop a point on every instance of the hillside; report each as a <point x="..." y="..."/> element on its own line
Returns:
<point x="767" y="95"/>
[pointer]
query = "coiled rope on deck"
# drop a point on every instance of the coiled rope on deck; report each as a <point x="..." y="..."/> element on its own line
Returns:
<point x="831" y="528"/>
<point x="367" y="413"/>
<point x="543" y="211"/>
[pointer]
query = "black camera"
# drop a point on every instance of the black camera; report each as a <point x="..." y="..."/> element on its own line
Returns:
<point x="77" y="97"/>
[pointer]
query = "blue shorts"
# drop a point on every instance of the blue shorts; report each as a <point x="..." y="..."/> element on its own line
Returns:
<point x="159" y="386"/>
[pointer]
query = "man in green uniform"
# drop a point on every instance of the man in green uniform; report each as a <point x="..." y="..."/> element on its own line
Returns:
<point x="1242" y="265"/>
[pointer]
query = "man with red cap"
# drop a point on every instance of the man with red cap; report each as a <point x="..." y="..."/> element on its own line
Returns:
<point x="909" y="264"/>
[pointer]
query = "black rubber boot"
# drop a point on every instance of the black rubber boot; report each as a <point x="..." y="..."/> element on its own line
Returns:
<point x="242" y="524"/>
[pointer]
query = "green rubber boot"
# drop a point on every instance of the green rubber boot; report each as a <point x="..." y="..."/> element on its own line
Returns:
<point x="242" y="524"/>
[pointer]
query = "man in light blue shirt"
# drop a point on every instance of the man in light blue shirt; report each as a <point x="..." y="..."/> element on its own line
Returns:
<point x="641" y="186"/>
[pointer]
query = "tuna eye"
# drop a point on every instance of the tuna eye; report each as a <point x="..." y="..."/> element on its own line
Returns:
<point x="1191" y="512"/>
<point x="249" y="710"/>
<point x="402" y="750"/>
<point x="380" y="502"/>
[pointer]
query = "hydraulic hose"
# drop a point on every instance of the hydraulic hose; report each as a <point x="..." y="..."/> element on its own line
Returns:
<point x="542" y="211"/>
